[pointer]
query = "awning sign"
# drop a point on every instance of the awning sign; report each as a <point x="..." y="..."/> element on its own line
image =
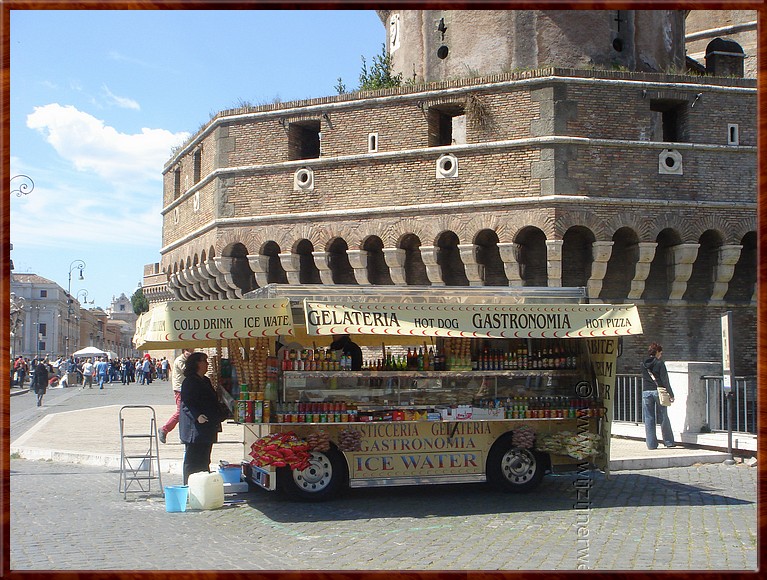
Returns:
<point x="202" y="322"/>
<point x="472" y="320"/>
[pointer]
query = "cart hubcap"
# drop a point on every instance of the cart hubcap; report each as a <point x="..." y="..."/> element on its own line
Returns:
<point x="317" y="476"/>
<point x="518" y="466"/>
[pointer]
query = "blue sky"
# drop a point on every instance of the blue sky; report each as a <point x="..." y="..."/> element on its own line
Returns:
<point x="99" y="98"/>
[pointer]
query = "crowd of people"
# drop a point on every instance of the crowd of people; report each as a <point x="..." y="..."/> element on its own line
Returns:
<point x="87" y="371"/>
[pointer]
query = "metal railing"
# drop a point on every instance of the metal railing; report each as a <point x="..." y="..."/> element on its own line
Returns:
<point x="628" y="399"/>
<point x="627" y="405"/>
<point x="744" y="398"/>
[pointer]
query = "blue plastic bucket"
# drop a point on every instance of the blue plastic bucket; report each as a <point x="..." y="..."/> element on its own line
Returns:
<point x="230" y="473"/>
<point x="175" y="498"/>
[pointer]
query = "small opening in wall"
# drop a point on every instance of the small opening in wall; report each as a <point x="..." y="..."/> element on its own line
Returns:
<point x="447" y="165"/>
<point x="732" y="134"/>
<point x="303" y="177"/>
<point x="304" y="140"/>
<point x="669" y="161"/>
<point x="618" y="45"/>
<point x="372" y="142"/>
<point x="442" y="52"/>
<point x="447" y="125"/>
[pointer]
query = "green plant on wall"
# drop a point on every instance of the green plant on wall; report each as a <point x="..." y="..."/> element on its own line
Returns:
<point x="379" y="76"/>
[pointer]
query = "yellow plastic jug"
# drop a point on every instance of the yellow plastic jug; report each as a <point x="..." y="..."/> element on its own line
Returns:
<point x="206" y="491"/>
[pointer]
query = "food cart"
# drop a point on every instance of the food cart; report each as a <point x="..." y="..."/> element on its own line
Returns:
<point x="458" y="385"/>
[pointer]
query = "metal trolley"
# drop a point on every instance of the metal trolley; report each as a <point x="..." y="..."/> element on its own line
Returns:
<point x="139" y="451"/>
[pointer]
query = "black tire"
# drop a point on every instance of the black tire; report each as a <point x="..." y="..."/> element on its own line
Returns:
<point x="513" y="468"/>
<point x="322" y="480"/>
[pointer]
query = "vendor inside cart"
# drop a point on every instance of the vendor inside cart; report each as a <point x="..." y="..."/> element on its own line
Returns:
<point x="344" y="343"/>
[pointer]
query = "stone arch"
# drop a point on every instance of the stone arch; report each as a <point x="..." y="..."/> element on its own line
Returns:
<point x="338" y="261"/>
<point x="453" y="223"/>
<point x="658" y="285"/>
<point x="577" y="256"/>
<point x="621" y="267"/>
<point x="415" y="269"/>
<point x="233" y="236"/>
<point x="532" y="256"/>
<point x="275" y="273"/>
<point x="403" y="228"/>
<point x="489" y="257"/>
<point x="630" y="220"/>
<point x="587" y="220"/>
<point x="242" y="275"/>
<point x="308" y="273"/>
<point x="449" y="259"/>
<point x="743" y="284"/>
<point x="377" y="268"/>
<point x="700" y="286"/>
<point x="519" y="220"/>
<point x="745" y="225"/>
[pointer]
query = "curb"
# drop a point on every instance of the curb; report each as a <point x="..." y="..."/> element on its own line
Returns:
<point x="18" y="392"/>
<point x="663" y="462"/>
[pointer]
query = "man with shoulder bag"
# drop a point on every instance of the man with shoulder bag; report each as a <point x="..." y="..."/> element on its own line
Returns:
<point x="656" y="393"/>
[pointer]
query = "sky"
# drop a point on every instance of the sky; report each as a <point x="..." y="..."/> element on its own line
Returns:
<point x="98" y="98"/>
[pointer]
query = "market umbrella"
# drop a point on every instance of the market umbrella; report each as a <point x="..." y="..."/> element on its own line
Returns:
<point x="89" y="351"/>
<point x="112" y="355"/>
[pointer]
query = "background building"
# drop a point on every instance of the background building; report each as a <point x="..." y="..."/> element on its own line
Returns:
<point x="48" y="322"/>
<point x="554" y="148"/>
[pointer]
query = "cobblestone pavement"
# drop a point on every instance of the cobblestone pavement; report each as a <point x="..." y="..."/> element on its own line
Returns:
<point x="72" y="517"/>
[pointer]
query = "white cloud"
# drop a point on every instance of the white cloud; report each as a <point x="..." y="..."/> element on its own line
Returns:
<point x="122" y="102"/>
<point x="92" y="146"/>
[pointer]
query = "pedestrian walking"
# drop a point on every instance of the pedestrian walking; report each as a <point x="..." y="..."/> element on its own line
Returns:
<point x="146" y="371"/>
<point x="177" y="377"/>
<point x="40" y="382"/>
<point x="88" y="371"/>
<point x="200" y="419"/>
<point x="654" y="375"/>
<point x="102" y="368"/>
<point x="164" y="366"/>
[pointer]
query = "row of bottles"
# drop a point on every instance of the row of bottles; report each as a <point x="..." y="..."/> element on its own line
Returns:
<point x="315" y="359"/>
<point x="544" y="355"/>
<point x="414" y="360"/>
<point x="545" y="407"/>
<point x="315" y="413"/>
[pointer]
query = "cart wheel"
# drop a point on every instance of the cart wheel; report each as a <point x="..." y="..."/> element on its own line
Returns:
<point x="514" y="468"/>
<point x="322" y="480"/>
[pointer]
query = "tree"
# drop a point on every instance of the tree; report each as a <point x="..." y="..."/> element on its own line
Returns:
<point x="380" y="76"/>
<point x="139" y="302"/>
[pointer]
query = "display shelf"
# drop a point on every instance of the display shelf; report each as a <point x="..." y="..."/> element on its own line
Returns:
<point x="432" y="374"/>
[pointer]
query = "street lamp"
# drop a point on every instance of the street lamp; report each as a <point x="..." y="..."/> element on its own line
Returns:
<point x="75" y="265"/>
<point x="84" y="293"/>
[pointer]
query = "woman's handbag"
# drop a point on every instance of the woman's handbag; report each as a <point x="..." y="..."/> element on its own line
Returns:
<point x="663" y="396"/>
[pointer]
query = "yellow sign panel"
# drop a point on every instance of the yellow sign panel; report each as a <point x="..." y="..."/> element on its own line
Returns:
<point x="204" y="322"/>
<point x="473" y="320"/>
<point x="401" y="449"/>
<point x="604" y="355"/>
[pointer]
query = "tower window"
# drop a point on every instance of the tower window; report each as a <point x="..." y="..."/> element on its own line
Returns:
<point x="669" y="120"/>
<point x="197" y="165"/>
<point x="176" y="183"/>
<point x="304" y="140"/>
<point x="372" y="142"/>
<point x="447" y="125"/>
<point x="732" y="134"/>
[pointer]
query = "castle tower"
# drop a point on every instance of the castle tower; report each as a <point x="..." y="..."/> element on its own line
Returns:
<point x="436" y="45"/>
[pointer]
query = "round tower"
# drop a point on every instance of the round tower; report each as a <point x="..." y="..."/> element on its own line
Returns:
<point x="436" y="45"/>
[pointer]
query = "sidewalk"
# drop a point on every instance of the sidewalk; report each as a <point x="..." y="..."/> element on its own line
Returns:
<point x="92" y="436"/>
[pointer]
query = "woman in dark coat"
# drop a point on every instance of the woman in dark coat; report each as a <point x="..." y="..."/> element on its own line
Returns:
<point x="40" y="384"/>
<point x="199" y="419"/>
